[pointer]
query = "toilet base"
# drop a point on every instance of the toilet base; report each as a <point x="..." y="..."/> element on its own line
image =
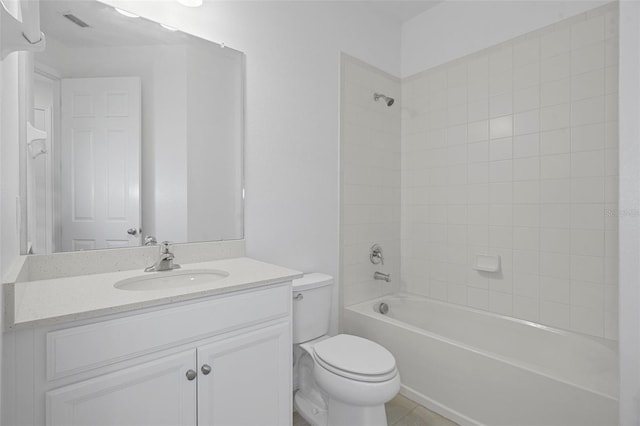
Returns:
<point x="338" y="413"/>
<point x="313" y="413"/>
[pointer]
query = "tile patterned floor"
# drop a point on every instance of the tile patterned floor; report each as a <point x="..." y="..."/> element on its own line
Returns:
<point x="401" y="411"/>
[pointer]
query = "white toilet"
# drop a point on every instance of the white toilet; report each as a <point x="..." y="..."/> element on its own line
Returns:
<point x="342" y="380"/>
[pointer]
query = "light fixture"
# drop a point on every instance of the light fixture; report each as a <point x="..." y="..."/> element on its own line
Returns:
<point x="190" y="3"/>
<point x="167" y="27"/>
<point x="125" y="13"/>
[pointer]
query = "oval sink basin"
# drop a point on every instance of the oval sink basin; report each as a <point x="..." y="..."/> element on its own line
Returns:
<point x="170" y="279"/>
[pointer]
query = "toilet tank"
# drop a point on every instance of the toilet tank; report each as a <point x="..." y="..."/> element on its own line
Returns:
<point x="311" y="306"/>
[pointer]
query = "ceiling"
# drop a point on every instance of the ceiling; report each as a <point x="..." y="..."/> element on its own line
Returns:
<point x="401" y="10"/>
<point x="108" y="28"/>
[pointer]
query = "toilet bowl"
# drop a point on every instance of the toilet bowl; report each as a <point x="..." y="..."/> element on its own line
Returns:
<point x="339" y="380"/>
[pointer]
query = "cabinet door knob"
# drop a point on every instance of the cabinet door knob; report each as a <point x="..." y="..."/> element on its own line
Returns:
<point x="206" y="369"/>
<point x="191" y="375"/>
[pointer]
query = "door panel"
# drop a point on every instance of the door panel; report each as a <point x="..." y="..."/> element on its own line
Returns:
<point x="100" y="162"/>
<point x="250" y="380"/>
<point x="156" y="393"/>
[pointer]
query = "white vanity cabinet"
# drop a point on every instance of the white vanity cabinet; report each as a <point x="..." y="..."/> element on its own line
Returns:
<point x="222" y="360"/>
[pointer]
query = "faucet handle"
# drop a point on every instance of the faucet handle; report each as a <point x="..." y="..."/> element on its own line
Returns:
<point x="164" y="247"/>
<point x="150" y="240"/>
<point x="375" y="254"/>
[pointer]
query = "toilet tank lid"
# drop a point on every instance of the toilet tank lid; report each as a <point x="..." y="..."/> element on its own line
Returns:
<point x="312" y="280"/>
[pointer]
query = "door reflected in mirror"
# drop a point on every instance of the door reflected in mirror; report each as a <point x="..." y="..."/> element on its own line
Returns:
<point x="144" y="134"/>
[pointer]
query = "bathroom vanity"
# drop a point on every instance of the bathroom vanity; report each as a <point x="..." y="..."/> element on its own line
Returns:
<point x="80" y="349"/>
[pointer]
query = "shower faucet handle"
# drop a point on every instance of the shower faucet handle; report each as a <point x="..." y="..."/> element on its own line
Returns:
<point x="375" y="254"/>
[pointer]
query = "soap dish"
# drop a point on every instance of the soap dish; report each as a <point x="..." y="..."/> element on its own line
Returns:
<point x="487" y="263"/>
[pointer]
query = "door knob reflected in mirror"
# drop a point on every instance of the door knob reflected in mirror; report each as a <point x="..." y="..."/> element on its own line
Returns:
<point x="132" y="231"/>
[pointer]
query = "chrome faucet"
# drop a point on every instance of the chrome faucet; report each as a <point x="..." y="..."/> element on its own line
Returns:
<point x="165" y="260"/>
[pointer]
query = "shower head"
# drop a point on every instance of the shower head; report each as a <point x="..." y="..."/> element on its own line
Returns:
<point x="387" y="100"/>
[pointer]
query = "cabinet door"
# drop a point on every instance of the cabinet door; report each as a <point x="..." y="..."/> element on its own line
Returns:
<point x="250" y="379"/>
<point x="155" y="393"/>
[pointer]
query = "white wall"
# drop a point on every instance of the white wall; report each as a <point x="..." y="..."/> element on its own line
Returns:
<point x="629" y="213"/>
<point x="454" y="28"/>
<point x="292" y="147"/>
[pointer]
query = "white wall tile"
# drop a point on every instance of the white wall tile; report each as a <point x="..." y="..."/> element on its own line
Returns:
<point x="526" y="52"/>
<point x="556" y="117"/>
<point x="555" y="240"/>
<point x="500" y="82"/>
<point x="526" y="168"/>
<point x="556" y="67"/>
<point x="501" y="214"/>
<point x="555" y="191"/>
<point x="501" y="149"/>
<point x="500" y="303"/>
<point x="588" y="295"/>
<point x="587" y="164"/>
<point x="588" y="111"/>
<point x="501" y="59"/>
<point x="554" y="43"/>
<point x="526" y="75"/>
<point x="526" y="145"/>
<point x="501" y="127"/>
<point x="555" y="215"/>
<point x="478" y="172"/>
<point x="588" y="85"/>
<point x="527" y="98"/>
<point x="588" y="58"/>
<point x="501" y="171"/>
<point x="588" y="320"/>
<point x="511" y="151"/>
<point x="555" y="92"/>
<point x="556" y="290"/>
<point x="478" y="109"/>
<point x="555" y="142"/>
<point x="527" y="308"/>
<point x="526" y="192"/>
<point x="555" y="166"/>
<point x="478" y="131"/>
<point x="555" y="314"/>
<point x="478" y="151"/>
<point x="501" y="193"/>
<point x="587" y="138"/>
<point x="478" y="298"/>
<point x="587" y="190"/>
<point x="587" y="32"/>
<point x="526" y="122"/>
<point x="588" y="216"/>
<point x="587" y="268"/>
<point x="526" y="238"/>
<point x="587" y="242"/>
<point x="501" y="236"/>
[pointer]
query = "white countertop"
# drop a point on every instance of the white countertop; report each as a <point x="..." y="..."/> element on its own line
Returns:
<point x="49" y="301"/>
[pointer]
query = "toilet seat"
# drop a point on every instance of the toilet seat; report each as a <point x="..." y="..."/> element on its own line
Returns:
<point x="355" y="358"/>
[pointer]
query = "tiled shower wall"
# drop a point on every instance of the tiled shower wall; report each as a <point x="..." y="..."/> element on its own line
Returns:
<point x="513" y="151"/>
<point x="370" y="181"/>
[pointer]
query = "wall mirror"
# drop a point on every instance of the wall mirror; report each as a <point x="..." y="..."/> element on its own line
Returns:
<point x="144" y="134"/>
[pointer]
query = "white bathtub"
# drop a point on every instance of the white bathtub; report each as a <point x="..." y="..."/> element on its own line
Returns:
<point x="480" y="368"/>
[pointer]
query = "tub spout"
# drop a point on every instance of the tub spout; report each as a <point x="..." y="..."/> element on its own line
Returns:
<point x="381" y="276"/>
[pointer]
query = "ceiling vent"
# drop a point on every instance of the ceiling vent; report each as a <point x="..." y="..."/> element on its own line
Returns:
<point x="79" y="22"/>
